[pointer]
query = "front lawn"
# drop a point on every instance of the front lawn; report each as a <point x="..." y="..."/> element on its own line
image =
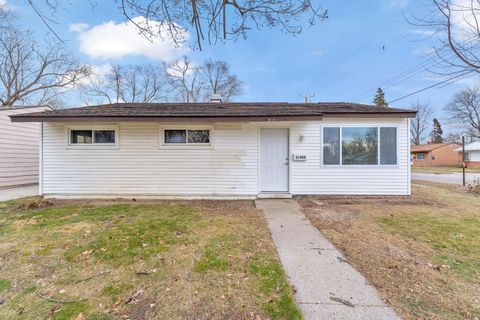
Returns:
<point x="163" y="260"/>
<point x="421" y="252"/>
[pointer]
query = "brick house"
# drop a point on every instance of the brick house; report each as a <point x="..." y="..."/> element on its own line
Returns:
<point x="436" y="154"/>
<point x="472" y="154"/>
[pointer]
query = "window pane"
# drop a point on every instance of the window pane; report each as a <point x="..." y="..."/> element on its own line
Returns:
<point x="420" y="156"/>
<point x="175" y="136"/>
<point x="388" y="145"/>
<point x="331" y="145"/>
<point x="81" y="136"/>
<point x="198" y="136"/>
<point x="359" y="146"/>
<point x="104" y="136"/>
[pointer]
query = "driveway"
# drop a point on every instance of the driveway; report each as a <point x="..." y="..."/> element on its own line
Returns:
<point x="21" y="192"/>
<point x="327" y="286"/>
<point x="450" y="178"/>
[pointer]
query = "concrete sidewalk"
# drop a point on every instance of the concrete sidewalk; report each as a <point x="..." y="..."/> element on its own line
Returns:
<point x="20" y="192"/>
<point x="317" y="270"/>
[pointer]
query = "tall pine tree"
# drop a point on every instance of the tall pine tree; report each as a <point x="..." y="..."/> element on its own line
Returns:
<point x="437" y="132"/>
<point x="379" y="99"/>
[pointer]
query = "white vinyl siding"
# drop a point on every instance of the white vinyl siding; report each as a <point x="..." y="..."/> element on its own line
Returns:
<point x="19" y="148"/>
<point x="312" y="177"/>
<point x="230" y="167"/>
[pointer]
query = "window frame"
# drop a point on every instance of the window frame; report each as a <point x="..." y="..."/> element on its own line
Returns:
<point x="186" y="145"/>
<point x="93" y="145"/>
<point x="423" y="156"/>
<point x="366" y="125"/>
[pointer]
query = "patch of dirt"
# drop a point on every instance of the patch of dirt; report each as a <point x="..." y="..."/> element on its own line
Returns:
<point x="141" y="308"/>
<point x="402" y="269"/>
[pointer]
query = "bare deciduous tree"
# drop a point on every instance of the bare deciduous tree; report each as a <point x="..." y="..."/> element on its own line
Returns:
<point x="209" y="20"/>
<point x="464" y="110"/>
<point x="219" y="80"/>
<point x="419" y="124"/>
<point x="141" y="84"/>
<point x="185" y="79"/>
<point x="31" y="74"/>
<point x="195" y="83"/>
<point x="456" y="26"/>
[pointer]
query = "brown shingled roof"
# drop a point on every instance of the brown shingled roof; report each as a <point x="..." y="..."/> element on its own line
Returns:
<point x="211" y="110"/>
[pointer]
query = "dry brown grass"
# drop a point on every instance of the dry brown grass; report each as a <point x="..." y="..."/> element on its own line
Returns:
<point x="421" y="252"/>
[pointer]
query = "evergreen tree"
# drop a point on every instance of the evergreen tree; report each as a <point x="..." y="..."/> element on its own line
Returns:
<point x="379" y="99"/>
<point x="437" y="132"/>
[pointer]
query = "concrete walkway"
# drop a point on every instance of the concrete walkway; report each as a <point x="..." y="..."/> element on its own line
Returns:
<point x="318" y="270"/>
<point x="21" y="192"/>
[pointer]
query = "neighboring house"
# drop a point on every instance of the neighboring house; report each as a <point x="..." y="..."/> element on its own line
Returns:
<point x="229" y="150"/>
<point x="19" y="145"/>
<point x="436" y="154"/>
<point x="472" y="154"/>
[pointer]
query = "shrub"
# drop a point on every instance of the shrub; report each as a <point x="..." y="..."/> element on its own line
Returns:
<point x="475" y="186"/>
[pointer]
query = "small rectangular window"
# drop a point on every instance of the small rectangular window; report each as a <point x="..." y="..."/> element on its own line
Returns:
<point x="360" y="146"/>
<point x="388" y="145"/>
<point x="184" y="136"/>
<point x="104" y="136"/>
<point x="198" y="136"/>
<point x="420" y="156"/>
<point x="81" y="137"/>
<point x="175" y="136"/>
<point x="331" y="146"/>
<point x="92" y="137"/>
<point x="467" y="156"/>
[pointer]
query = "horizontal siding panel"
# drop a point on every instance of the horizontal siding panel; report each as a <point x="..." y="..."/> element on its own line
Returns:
<point x="19" y="146"/>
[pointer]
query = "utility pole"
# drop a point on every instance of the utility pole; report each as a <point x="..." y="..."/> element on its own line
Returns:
<point x="463" y="158"/>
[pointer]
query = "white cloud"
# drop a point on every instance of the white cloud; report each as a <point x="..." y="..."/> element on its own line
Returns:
<point x="423" y="51"/>
<point x="463" y="20"/>
<point x="314" y="54"/>
<point x="395" y="4"/>
<point x="77" y="27"/>
<point x="3" y="3"/>
<point x="110" y="40"/>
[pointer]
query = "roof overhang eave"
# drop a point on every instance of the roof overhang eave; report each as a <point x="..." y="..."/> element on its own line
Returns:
<point x="163" y="119"/>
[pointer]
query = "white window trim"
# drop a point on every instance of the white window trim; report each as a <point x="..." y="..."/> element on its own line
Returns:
<point x="378" y="148"/>
<point x="90" y="146"/>
<point x="186" y="145"/>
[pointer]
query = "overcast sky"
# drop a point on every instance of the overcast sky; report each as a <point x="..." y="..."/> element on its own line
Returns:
<point x="345" y="58"/>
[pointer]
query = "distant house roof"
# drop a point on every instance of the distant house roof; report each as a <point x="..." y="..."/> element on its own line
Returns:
<point x="428" y="147"/>
<point x="474" y="146"/>
<point x="232" y="110"/>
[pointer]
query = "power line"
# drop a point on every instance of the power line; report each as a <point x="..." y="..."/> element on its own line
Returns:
<point x="432" y="86"/>
<point x="365" y="43"/>
<point x="409" y="73"/>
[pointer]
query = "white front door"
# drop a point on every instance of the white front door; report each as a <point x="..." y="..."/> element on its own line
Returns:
<point x="274" y="160"/>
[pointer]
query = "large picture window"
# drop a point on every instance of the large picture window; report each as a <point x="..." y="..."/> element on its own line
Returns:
<point x="360" y="146"/>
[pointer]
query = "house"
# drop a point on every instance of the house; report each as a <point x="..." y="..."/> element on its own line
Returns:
<point x="472" y="154"/>
<point x="436" y="154"/>
<point x="223" y="150"/>
<point x="18" y="148"/>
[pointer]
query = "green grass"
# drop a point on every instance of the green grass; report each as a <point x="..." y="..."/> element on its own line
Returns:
<point x="455" y="239"/>
<point x="5" y="285"/>
<point x="159" y="253"/>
